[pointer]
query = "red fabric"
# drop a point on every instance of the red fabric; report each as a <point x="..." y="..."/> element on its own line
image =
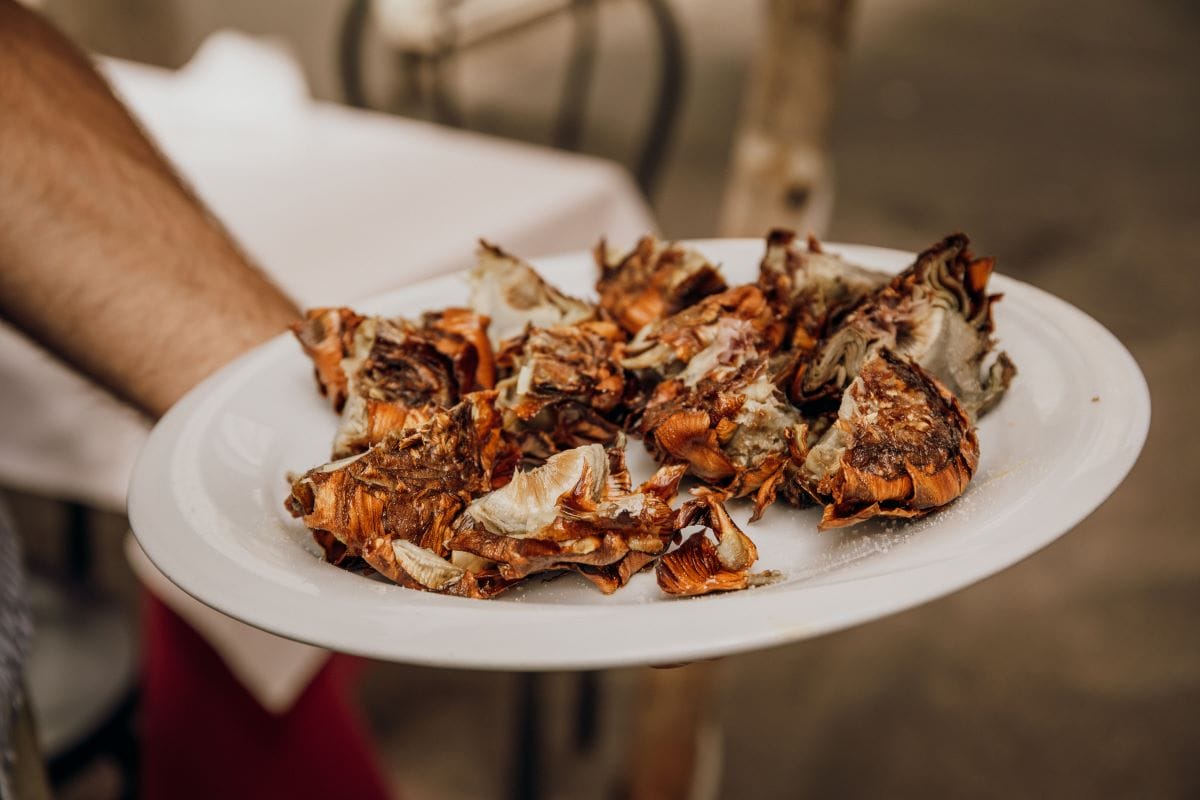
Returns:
<point x="205" y="736"/>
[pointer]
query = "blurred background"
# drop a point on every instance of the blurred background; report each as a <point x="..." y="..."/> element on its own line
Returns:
<point x="1062" y="137"/>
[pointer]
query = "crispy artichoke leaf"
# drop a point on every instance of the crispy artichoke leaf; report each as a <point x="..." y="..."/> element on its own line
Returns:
<point x="388" y="374"/>
<point x="400" y="372"/>
<point x="722" y="330"/>
<point x="327" y="336"/>
<point x="410" y="486"/>
<point x="513" y="295"/>
<point x="902" y="446"/>
<point x="422" y="568"/>
<point x="613" y="576"/>
<point x="653" y="281"/>
<point x="700" y="567"/>
<point x="733" y="432"/>
<point x="937" y="312"/>
<point x="707" y="378"/>
<point x="569" y="511"/>
<point x="564" y="384"/>
<point x="810" y="288"/>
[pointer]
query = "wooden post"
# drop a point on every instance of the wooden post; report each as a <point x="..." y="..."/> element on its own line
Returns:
<point x="780" y="173"/>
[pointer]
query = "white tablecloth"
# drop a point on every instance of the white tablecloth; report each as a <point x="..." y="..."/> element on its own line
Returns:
<point x="335" y="204"/>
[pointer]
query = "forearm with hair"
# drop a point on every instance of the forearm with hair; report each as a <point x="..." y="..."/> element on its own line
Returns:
<point x="105" y="257"/>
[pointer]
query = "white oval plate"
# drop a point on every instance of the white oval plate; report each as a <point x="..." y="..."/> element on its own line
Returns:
<point x="206" y="504"/>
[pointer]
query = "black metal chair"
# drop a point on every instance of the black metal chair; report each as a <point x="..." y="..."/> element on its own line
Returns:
<point x="432" y="60"/>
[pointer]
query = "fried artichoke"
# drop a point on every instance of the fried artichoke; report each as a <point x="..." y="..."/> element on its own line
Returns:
<point x="653" y="281"/>
<point x="811" y="289"/>
<point x="938" y="313"/>
<point x="576" y="511"/>
<point x="722" y="331"/>
<point x="327" y="336"/>
<point x="698" y="566"/>
<point x="902" y="446"/>
<point x="715" y="406"/>
<point x="410" y="488"/>
<point x="564" y="384"/>
<point x="386" y="375"/>
<point x="513" y="295"/>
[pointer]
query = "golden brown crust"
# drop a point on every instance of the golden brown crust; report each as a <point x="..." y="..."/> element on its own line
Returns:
<point x="652" y="282"/>
<point x="411" y="486"/>
<point x="571" y="513"/>
<point x="690" y="436"/>
<point x="461" y="335"/>
<point x="732" y="430"/>
<point x="693" y="569"/>
<point x="909" y="447"/>
<point x="564" y="387"/>
<point x="700" y="567"/>
<point x="708" y="381"/>
<point x="811" y="290"/>
<point x="741" y="315"/>
<point x="326" y="334"/>
<point x="613" y="576"/>
<point x="386" y="375"/>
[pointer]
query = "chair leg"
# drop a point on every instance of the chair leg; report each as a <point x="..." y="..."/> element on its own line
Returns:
<point x="350" y="43"/>
<point x="587" y="711"/>
<point x="572" y="106"/>
<point x="666" y="103"/>
<point x="526" y="783"/>
<point x="79" y="544"/>
<point x="116" y="739"/>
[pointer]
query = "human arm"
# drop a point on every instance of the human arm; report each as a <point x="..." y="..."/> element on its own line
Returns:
<point x="105" y="257"/>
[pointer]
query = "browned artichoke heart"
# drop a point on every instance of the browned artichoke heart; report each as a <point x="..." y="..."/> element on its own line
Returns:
<point x="810" y="288"/>
<point x="562" y="383"/>
<point x="902" y="446"/>
<point x="577" y="511"/>
<point x="698" y="566"/>
<point x="936" y="312"/>
<point x="721" y="331"/>
<point x="394" y="504"/>
<point x="716" y="406"/>
<point x="327" y="335"/>
<point x="393" y="373"/>
<point x="513" y="296"/>
<point x="653" y="281"/>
